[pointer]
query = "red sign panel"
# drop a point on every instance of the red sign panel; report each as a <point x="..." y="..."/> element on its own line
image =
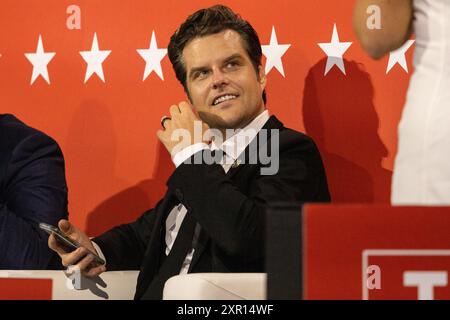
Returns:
<point x="25" y="289"/>
<point x="376" y="252"/>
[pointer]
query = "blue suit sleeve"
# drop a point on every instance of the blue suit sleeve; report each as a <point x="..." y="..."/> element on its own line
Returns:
<point x="34" y="191"/>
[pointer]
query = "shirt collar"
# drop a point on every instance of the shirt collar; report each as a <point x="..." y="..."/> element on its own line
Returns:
<point x="236" y="144"/>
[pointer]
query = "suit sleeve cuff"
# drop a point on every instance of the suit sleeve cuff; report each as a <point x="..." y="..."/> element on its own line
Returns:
<point x="188" y="152"/>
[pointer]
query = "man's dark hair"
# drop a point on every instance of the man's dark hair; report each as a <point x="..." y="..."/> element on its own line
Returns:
<point x="211" y="21"/>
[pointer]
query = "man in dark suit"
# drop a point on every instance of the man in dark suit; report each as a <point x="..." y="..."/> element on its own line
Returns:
<point x="32" y="190"/>
<point x="212" y="218"/>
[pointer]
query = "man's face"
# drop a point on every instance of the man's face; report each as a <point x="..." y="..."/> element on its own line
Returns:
<point x="221" y="80"/>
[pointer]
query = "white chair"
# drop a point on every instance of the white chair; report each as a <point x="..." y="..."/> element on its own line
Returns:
<point x="216" y="286"/>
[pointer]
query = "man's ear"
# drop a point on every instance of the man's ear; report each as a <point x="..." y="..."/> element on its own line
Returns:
<point x="262" y="77"/>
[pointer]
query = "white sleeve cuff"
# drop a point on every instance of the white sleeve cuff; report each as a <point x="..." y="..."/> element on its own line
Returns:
<point x="188" y="152"/>
<point x="99" y="251"/>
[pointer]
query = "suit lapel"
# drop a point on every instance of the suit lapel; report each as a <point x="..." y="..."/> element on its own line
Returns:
<point x="174" y="261"/>
<point x="151" y="261"/>
<point x="202" y="242"/>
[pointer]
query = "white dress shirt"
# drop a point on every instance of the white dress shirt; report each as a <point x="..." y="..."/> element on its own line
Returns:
<point x="232" y="149"/>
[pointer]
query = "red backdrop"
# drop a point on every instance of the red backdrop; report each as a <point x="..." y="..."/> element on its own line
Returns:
<point x="116" y="168"/>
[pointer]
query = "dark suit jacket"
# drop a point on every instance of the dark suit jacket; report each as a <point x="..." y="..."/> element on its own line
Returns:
<point x="230" y="208"/>
<point x="32" y="190"/>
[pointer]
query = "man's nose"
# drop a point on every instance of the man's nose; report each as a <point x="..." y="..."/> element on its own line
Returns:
<point x="219" y="79"/>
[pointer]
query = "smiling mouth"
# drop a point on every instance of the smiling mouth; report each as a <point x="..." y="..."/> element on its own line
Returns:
<point x="225" y="97"/>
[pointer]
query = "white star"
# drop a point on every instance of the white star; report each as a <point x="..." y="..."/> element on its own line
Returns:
<point x="94" y="59"/>
<point x="152" y="57"/>
<point x="274" y="52"/>
<point x="398" y="56"/>
<point x="40" y="60"/>
<point x="335" y="50"/>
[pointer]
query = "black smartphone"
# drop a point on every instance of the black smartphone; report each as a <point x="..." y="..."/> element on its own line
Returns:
<point x="68" y="244"/>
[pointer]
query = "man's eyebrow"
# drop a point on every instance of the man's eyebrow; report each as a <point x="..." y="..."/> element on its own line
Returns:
<point x="233" y="57"/>
<point x="196" y="69"/>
